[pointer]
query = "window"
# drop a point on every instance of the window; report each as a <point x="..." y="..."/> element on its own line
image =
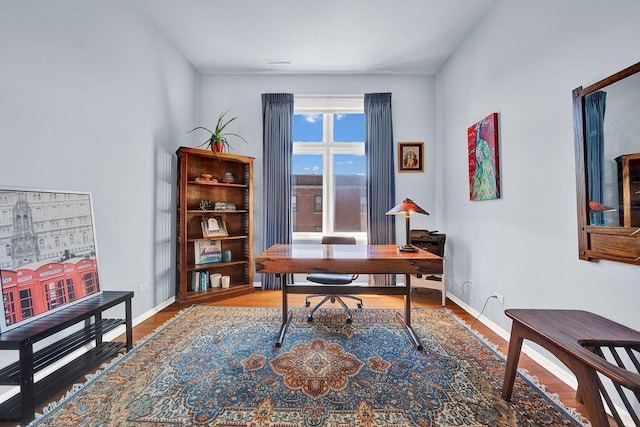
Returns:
<point x="329" y="168"/>
<point x="10" y="308"/>
<point x="26" y="303"/>
<point x="89" y="281"/>
<point x="56" y="295"/>
<point x="70" y="290"/>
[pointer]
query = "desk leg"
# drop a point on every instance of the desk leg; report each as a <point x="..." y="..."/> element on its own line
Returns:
<point x="407" y="313"/>
<point x="515" y="345"/>
<point x="286" y="318"/>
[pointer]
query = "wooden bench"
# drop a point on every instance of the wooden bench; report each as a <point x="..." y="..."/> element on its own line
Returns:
<point x="22" y="406"/>
<point x="583" y="341"/>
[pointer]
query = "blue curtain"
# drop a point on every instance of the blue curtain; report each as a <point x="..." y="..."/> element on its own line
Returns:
<point x="277" y="140"/>
<point x="594" y="106"/>
<point x="378" y="141"/>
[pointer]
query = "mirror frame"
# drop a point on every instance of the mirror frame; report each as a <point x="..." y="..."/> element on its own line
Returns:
<point x="595" y="242"/>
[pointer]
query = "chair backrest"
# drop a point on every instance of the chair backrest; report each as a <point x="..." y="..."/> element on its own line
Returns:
<point x="326" y="277"/>
<point x="338" y="240"/>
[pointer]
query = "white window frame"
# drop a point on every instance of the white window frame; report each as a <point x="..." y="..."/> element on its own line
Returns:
<point x="328" y="106"/>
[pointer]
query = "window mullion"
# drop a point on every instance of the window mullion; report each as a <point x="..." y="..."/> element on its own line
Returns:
<point x="327" y="187"/>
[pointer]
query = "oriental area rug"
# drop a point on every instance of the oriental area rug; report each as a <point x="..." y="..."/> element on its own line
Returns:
<point x="217" y="366"/>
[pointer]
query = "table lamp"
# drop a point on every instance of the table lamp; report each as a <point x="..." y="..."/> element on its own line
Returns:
<point x="407" y="207"/>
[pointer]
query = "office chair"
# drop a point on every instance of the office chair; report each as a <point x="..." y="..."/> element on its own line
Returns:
<point x="333" y="279"/>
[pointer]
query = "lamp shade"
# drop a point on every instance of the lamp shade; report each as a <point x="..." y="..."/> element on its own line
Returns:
<point x="406" y="207"/>
<point x="599" y="207"/>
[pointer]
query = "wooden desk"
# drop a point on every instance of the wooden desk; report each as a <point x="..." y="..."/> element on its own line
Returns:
<point x="282" y="260"/>
<point x="576" y="338"/>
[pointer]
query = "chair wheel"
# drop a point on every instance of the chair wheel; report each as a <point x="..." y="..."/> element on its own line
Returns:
<point x="349" y="320"/>
<point x="359" y="305"/>
<point x="307" y="304"/>
<point x="310" y="319"/>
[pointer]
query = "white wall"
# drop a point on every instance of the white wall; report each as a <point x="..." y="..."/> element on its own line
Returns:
<point x="92" y="98"/>
<point x="413" y="120"/>
<point x="523" y="61"/>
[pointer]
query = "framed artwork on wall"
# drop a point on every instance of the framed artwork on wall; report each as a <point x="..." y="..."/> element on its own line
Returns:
<point x="48" y="253"/>
<point x="484" y="165"/>
<point x="411" y="157"/>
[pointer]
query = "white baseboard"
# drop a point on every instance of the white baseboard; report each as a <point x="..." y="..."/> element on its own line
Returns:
<point x="141" y="318"/>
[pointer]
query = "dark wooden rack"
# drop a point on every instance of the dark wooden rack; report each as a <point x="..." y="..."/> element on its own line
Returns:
<point x="430" y="241"/>
<point x="22" y="406"/>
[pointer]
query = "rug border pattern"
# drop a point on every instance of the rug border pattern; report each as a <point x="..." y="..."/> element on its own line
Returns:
<point x="571" y="413"/>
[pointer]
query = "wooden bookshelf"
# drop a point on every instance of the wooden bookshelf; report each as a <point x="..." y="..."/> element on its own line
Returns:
<point x="193" y="188"/>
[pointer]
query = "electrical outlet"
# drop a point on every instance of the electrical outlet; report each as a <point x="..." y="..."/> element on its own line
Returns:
<point x="499" y="297"/>
<point x="468" y="283"/>
<point x="143" y="286"/>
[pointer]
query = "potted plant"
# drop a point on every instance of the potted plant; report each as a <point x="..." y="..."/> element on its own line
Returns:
<point x="217" y="140"/>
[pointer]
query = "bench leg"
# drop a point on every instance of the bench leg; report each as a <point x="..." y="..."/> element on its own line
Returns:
<point x="515" y="345"/>
<point x="589" y="394"/>
<point x="27" y="388"/>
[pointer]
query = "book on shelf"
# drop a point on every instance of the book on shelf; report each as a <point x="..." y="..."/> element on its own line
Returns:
<point x="200" y="281"/>
<point x="195" y="277"/>
<point x="207" y="251"/>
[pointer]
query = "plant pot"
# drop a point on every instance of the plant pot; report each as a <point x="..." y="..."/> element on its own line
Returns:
<point x="218" y="147"/>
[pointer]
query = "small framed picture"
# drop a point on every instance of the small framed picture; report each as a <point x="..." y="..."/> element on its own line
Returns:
<point x="213" y="226"/>
<point x="411" y="156"/>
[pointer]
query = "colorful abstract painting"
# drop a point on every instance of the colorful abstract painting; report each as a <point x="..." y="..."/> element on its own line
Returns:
<point x="484" y="171"/>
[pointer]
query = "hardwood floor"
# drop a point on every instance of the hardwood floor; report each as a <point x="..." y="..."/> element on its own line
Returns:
<point x="420" y="298"/>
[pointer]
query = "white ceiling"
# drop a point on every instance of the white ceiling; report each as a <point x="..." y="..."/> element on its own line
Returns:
<point x="325" y="36"/>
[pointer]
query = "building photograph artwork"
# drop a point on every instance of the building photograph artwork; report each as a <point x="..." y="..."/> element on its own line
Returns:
<point x="47" y="253"/>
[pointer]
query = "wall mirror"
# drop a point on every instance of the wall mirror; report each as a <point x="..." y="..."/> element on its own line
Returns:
<point x="607" y="145"/>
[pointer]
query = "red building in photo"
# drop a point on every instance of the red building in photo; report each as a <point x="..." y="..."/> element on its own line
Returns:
<point x="37" y="288"/>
